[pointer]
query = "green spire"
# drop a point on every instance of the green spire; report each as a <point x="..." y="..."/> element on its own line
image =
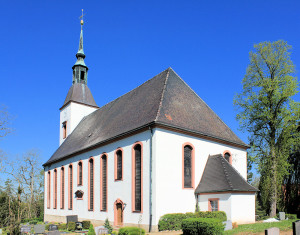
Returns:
<point x="79" y="68"/>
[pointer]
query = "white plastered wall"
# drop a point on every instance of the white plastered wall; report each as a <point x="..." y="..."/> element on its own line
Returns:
<point x="72" y="114"/>
<point x="116" y="189"/>
<point x="168" y="194"/>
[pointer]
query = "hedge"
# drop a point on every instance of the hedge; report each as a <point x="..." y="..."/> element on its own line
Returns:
<point x="86" y="224"/>
<point x="71" y="226"/>
<point x="173" y="221"/>
<point x="62" y="227"/>
<point x="131" y="231"/>
<point x="203" y="226"/>
<point x="291" y="216"/>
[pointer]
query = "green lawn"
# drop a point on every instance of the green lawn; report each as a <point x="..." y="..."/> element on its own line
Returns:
<point x="260" y="227"/>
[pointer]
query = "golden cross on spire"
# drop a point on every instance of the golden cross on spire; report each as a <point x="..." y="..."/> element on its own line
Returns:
<point x="81" y="17"/>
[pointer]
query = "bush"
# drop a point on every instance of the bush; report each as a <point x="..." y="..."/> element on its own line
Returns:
<point x="47" y="227"/>
<point x="108" y="226"/>
<point x="203" y="226"/>
<point x="131" y="231"/>
<point x="114" y="232"/>
<point x="291" y="216"/>
<point x="86" y="224"/>
<point x="91" y="230"/>
<point x="71" y="226"/>
<point x="62" y="227"/>
<point x="33" y="222"/>
<point x="174" y="221"/>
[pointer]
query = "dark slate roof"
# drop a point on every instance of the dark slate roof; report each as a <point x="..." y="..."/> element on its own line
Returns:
<point x="165" y="99"/>
<point x="220" y="176"/>
<point x="80" y="93"/>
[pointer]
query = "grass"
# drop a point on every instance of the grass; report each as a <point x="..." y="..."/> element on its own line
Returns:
<point x="260" y="227"/>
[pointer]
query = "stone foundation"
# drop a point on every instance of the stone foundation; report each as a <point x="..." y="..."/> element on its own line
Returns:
<point x="63" y="219"/>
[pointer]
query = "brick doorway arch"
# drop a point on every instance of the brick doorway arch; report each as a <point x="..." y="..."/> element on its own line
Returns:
<point x="118" y="212"/>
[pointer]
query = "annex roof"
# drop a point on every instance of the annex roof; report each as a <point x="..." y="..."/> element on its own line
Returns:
<point x="165" y="100"/>
<point x="80" y="93"/>
<point x="220" y="176"/>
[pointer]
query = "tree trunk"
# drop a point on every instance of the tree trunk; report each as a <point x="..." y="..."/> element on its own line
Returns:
<point x="273" y="202"/>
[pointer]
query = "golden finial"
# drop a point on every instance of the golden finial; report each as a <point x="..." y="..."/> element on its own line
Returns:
<point x="81" y="17"/>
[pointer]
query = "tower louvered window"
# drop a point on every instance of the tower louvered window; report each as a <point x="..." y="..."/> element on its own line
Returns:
<point x="188" y="166"/>
<point x="104" y="183"/>
<point x="70" y="187"/>
<point x="91" y="184"/>
<point x="62" y="190"/>
<point x="137" y="178"/>
<point x="80" y="173"/>
<point x="55" y="189"/>
<point x="119" y="165"/>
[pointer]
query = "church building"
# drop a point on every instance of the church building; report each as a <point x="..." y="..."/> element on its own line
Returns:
<point x="155" y="150"/>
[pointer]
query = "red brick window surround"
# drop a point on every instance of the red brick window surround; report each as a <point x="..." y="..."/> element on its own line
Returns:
<point x="103" y="183"/>
<point x="62" y="188"/>
<point x="213" y="204"/>
<point x="55" y="189"/>
<point x="79" y="174"/>
<point x="137" y="177"/>
<point x="64" y="129"/>
<point x="91" y="184"/>
<point x="48" y="189"/>
<point x="188" y="166"/>
<point x="70" y="187"/>
<point x="228" y="156"/>
<point x="119" y="164"/>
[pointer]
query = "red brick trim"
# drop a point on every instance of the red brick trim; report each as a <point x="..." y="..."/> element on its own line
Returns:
<point x="89" y="184"/>
<point x="48" y="189"/>
<point x="192" y="167"/>
<point x="62" y="187"/>
<point x="78" y="171"/>
<point x="70" y="192"/>
<point x="55" y="189"/>
<point x="230" y="158"/>
<point x="213" y="199"/>
<point x="101" y="176"/>
<point x="116" y="164"/>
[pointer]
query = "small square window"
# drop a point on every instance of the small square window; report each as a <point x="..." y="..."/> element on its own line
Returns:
<point x="214" y="204"/>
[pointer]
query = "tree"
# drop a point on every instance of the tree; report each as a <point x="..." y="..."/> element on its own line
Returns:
<point x="267" y="111"/>
<point x="5" y="119"/>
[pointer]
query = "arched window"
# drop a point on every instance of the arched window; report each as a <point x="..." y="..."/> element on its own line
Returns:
<point x="70" y="187"/>
<point x="55" y="189"/>
<point x="137" y="177"/>
<point x="228" y="156"/>
<point x="91" y="184"/>
<point x="62" y="188"/>
<point x="188" y="166"/>
<point x="103" y="182"/>
<point x="79" y="179"/>
<point x="119" y="165"/>
<point x="49" y="189"/>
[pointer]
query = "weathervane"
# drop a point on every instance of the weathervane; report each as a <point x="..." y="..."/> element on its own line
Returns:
<point x="81" y="17"/>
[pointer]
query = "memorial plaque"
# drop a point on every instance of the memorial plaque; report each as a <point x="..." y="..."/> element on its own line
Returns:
<point x="72" y="218"/>
<point x="296" y="227"/>
<point x="53" y="227"/>
<point x="272" y="231"/>
<point x="39" y="228"/>
<point x="25" y="229"/>
<point x="281" y="215"/>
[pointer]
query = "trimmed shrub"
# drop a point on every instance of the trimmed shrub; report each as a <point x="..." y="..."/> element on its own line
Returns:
<point x="203" y="226"/>
<point x="71" y="226"/>
<point x="91" y="230"/>
<point x="62" y="227"/>
<point x="131" y="231"/>
<point x="174" y="221"/>
<point x="47" y="227"/>
<point x="291" y="216"/>
<point x="86" y="224"/>
<point x="108" y="226"/>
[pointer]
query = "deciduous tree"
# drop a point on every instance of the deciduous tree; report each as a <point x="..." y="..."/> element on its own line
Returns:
<point x="266" y="110"/>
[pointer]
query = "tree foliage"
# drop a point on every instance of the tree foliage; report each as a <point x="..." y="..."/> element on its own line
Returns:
<point x="5" y="119"/>
<point x="268" y="112"/>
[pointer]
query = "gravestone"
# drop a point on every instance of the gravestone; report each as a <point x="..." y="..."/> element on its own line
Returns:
<point x="78" y="226"/>
<point x="101" y="230"/>
<point x="228" y="225"/>
<point x="39" y="228"/>
<point x="25" y="229"/>
<point x="54" y="233"/>
<point x="272" y="231"/>
<point x="281" y="215"/>
<point x="72" y="218"/>
<point x="0" y="230"/>
<point x="296" y="227"/>
<point x="53" y="227"/>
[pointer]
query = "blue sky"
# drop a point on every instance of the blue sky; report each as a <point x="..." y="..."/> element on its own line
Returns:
<point x="127" y="42"/>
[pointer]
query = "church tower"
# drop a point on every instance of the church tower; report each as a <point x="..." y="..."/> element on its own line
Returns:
<point x="79" y="101"/>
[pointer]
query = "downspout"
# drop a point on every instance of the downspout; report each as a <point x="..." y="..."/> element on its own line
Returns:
<point x="150" y="183"/>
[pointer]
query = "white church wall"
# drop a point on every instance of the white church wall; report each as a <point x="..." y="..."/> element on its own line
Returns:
<point x="169" y="196"/>
<point x="73" y="114"/>
<point x="115" y="189"/>
<point x="243" y="208"/>
<point x="224" y="202"/>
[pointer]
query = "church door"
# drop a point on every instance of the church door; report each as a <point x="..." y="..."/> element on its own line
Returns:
<point x="119" y="214"/>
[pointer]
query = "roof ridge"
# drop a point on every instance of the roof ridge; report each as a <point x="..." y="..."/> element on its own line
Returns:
<point x="225" y="172"/>
<point x="162" y="95"/>
<point x="206" y="104"/>
<point x="131" y="90"/>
